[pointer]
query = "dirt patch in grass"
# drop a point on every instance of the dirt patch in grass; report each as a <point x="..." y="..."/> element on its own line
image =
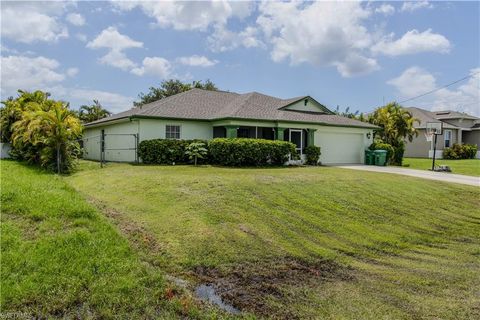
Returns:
<point x="249" y="286"/>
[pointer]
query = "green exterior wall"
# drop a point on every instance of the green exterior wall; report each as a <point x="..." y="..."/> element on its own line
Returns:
<point x="327" y="137"/>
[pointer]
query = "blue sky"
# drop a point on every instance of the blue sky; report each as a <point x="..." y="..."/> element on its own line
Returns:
<point x="355" y="54"/>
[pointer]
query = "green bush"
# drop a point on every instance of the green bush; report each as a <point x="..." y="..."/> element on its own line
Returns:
<point x="398" y="152"/>
<point x="460" y="151"/>
<point x="380" y="145"/>
<point x="166" y="151"/>
<point x="250" y="152"/>
<point x="312" y="154"/>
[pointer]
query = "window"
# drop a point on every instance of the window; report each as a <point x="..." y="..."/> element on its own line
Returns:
<point x="448" y="138"/>
<point x="243" y="133"/>
<point x="172" y="132"/>
<point x="305" y="102"/>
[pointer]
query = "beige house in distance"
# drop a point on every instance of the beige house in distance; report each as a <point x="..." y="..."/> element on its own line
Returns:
<point x="457" y="128"/>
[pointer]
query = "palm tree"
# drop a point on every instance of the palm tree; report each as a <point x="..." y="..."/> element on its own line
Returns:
<point x="397" y="125"/>
<point x="52" y="131"/>
<point x="13" y="109"/>
<point x="93" y="112"/>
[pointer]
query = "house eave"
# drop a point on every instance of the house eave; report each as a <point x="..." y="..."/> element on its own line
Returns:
<point x="276" y="121"/>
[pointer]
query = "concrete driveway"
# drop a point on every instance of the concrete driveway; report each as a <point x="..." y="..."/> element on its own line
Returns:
<point x="439" y="176"/>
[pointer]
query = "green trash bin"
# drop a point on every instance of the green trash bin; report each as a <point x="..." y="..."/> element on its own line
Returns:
<point x="369" y="157"/>
<point x="380" y="157"/>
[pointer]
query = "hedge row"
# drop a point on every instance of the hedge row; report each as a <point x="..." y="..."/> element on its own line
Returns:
<point x="460" y="151"/>
<point x="249" y="152"/>
<point x="166" y="151"/>
<point x="222" y="151"/>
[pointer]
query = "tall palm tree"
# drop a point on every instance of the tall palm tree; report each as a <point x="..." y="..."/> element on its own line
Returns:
<point x="55" y="131"/>
<point x="93" y="112"/>
<point x="396" y="123"/>
<point x="396" y="126"/>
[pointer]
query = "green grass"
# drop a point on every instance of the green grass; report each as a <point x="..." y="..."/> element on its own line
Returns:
<point x="304" y="242"/>
<point x="60" y="258"/>
<point x="470" y="167"/>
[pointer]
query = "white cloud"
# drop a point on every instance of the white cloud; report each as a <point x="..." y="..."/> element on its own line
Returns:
<point x="113" y="102"/>
<point x="155" y="66"/>
<point x="189" y="15"/>
<point x="112" y="39"/>
<point x="416" y="81"/>
<point x="386" y="9"/>
<point x="29" y="22"/>
<point x="197" y="61"/>
<point x="76" y="19"/>
<point x="116" y="42"/>
<point x="117" y="59"/>
<point x="413" y="81"/>
<point x="356" y="65"/>
<point x="40" y="73"/>
<point x="82" y="37"/>
<point x="21" y="72"/>
<point x="223" y="39"/>
<point x="72" y="72"/>
<point x="415" y="5"/>
<point x="320" y="33"/>
<point x="413" y="42"/>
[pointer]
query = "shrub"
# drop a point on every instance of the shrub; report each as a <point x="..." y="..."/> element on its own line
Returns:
<point x="250" y="152"/>
<point x="460" y="151"/>
<point x="195" y="151"/>
<point x="41" y="130"/>
<point x="398" y="152"/>
<point x="380" y="145"/>
<point x="312" y="154"/>
<point x="165" y="151"/>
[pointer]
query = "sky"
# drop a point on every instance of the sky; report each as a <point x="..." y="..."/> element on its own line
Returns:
<point x="348" y="54"/>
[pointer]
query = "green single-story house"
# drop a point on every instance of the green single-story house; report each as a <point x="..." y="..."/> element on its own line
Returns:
<point x="202" y="114"/>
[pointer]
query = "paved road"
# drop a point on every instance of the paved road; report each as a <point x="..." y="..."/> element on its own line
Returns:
<point x="425" y="174"/>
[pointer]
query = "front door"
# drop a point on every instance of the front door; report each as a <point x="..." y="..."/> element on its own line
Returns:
<point x="296" y="137"/>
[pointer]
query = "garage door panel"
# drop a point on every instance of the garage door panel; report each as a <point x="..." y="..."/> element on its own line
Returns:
<point x="340" y="147"/>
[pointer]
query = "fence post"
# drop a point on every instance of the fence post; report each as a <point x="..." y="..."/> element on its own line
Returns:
<point x="136" y="147"/>
<point x="102" y="148"/>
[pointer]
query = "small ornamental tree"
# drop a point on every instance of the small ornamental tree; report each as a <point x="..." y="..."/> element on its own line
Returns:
<point x="196" y="150"/>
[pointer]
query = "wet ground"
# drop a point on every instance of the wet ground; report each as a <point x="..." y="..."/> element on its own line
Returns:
<point x="249" y="286"/>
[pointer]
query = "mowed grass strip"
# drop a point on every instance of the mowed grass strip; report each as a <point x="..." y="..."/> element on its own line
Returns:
<point x="469" y="167"/>
<point x="60" y="258"/>
<point x="410" y="246"/>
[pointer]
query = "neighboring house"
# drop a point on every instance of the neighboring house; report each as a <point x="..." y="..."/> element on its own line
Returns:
<point x="457" y="128"/>
<point x="202" y="114"/>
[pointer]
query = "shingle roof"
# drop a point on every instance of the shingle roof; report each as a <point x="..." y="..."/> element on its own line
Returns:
<point x="426" y="116"/>
<point x="201" y="104"/>
<point x="448" y="114"/>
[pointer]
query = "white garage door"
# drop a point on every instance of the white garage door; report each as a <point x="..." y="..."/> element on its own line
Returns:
<point x="340" y="147"/>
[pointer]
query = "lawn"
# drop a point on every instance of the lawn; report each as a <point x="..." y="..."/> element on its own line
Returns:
<point x="469" y="167"/>
<point x="61" y="258"/>
<point x="304" y="242"/>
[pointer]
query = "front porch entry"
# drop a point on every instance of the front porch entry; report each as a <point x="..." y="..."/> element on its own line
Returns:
<point x="301" y="138"/>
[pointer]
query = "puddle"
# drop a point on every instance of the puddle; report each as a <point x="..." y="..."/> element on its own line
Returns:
<point x="206" y="292"/>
